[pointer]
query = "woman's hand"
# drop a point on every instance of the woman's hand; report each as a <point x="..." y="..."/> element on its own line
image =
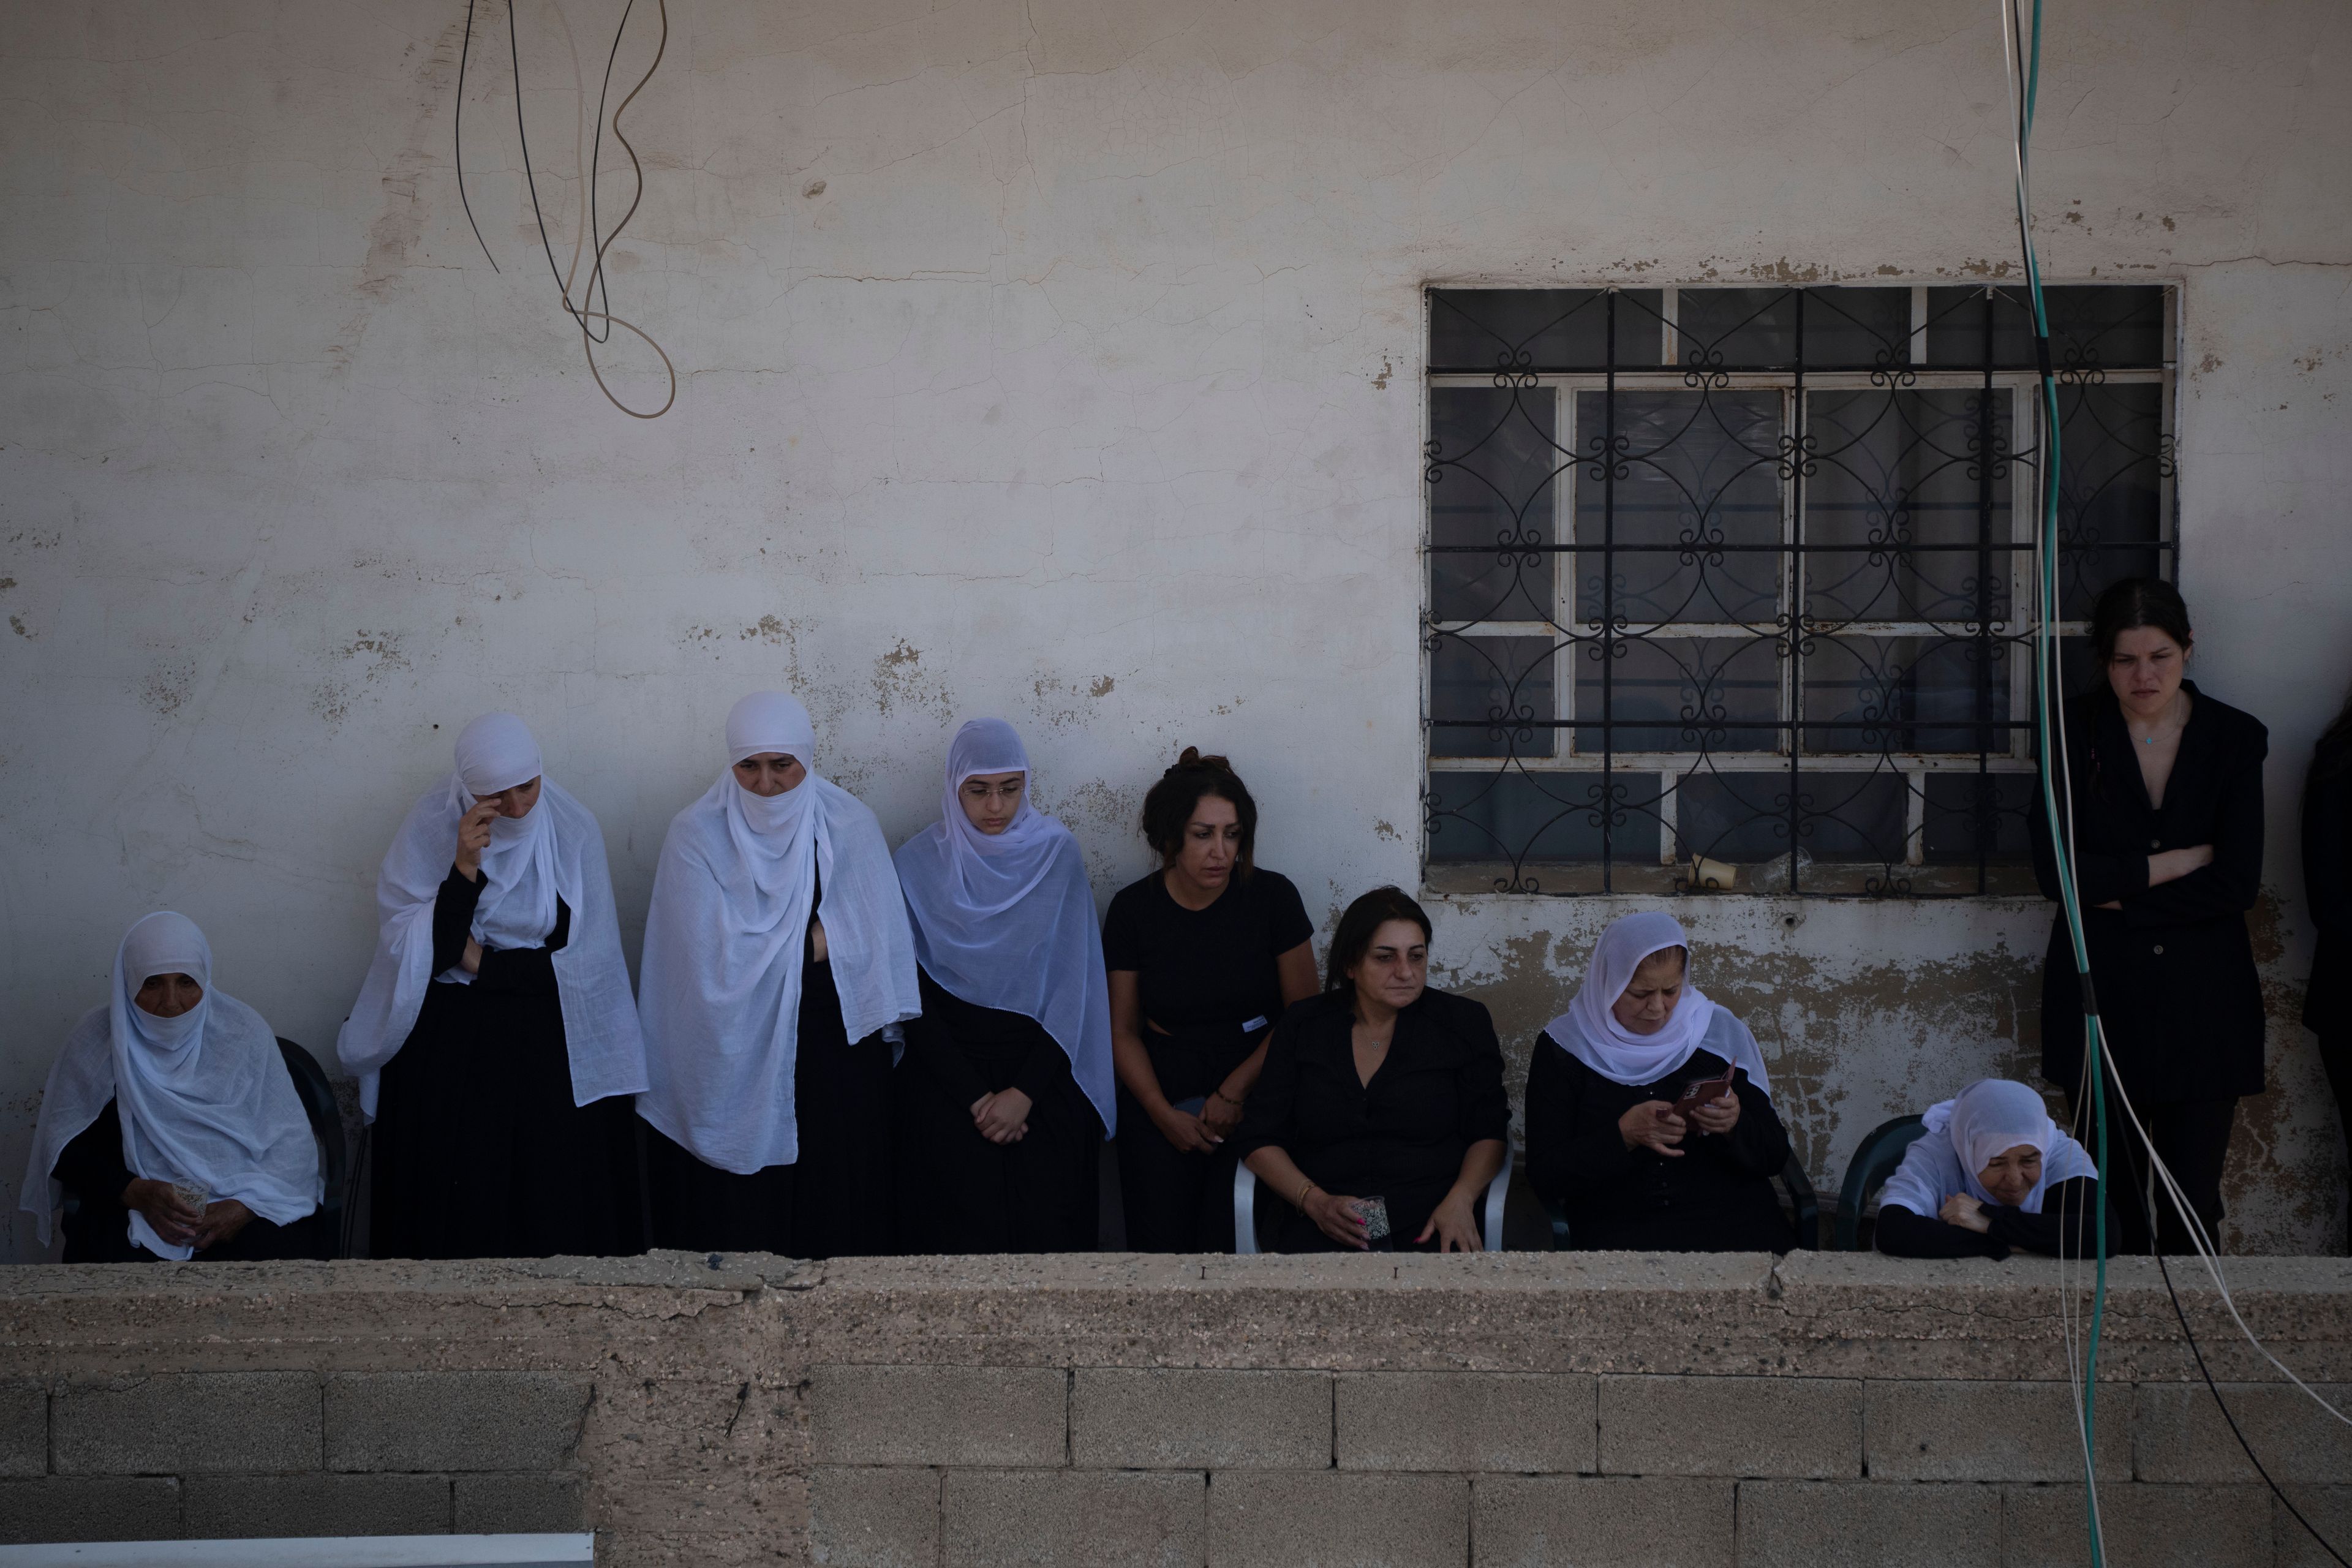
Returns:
<point x="222" y="1221"/>
<point x="1653" y="1125"/>
<point x="1964" y="1211"/>
<point x="470" y="961"/>
<point x="173" y="1217"/>
<point x="1455" y="1225"/>
<point x="1335" y="1216"/>
<point x="2171" y="864"/>
<point x="1718" y="1115"/>
<point x="816" y="939"/>
<point x="1002" y="1117"/>
<point x="473" y="837"/>
<point x="1185" y="1129"/>
<point x="1223" y="1112"/>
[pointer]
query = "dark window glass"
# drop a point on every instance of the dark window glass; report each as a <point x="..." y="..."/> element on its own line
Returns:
<point x="1541" y="328"/>
<point x="2111" y="326"/>
<point x="1492" y="697"/>
<point x="1694" y="495"/>
<point x="1492" y="817"/>
<point x="1919" y="484"/>
<point x="1680" y="694"/>
<point x="1494" y="469"/>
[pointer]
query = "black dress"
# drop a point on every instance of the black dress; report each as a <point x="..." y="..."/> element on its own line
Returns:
<point x="1403" y="1136"/>
<point x="2065" y="1228"/>
<point x="957" y="1191"/>
<point x="1716" y="1197"/>
<point x="2180" y="1001"/>
<point x="835" y="1200"/>
<point x="1210" y="990"/>
<point x="478" y="1150"/>
<point x="2327" y="894"/>
<point x="97" y="1225"/>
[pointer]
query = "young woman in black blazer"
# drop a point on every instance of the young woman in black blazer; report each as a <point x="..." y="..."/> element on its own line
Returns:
<point x="2327" y="891"/>
<point x="2167" y="793"/>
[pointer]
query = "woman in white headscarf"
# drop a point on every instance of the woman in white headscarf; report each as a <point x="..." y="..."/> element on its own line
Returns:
<point x="1990" y="1172"/>
<point x="170" y="1127"/>
<point x="495" y="1038"/>
<point x="777" y="956"/>
<point x="1605" y="1138"/>
<point x="1005" y="1096"/>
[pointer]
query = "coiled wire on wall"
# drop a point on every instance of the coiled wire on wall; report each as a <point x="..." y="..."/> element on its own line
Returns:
<point x="2021" y="55"/>
<point x="588" y="227"/>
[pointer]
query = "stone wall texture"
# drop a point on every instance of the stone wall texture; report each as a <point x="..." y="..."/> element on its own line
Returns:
<point x="1503" y="1409"/>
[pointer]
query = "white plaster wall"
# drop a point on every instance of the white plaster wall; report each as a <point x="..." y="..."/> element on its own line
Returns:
<point x="1083" y="392"/>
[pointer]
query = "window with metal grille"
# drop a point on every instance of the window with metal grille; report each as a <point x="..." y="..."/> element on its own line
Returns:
<point x="1732" y="587"/>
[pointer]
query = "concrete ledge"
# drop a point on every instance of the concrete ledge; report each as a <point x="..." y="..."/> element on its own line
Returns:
<point x="1495" y="1408"/>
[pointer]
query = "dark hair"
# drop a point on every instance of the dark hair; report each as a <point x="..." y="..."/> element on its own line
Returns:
<point x="2137" y="602"/>
<point x="1168" y="806"/>
<point x="1357" y="927"/>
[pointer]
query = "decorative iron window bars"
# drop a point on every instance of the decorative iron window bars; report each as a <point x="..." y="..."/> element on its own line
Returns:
<point x="1730" y="587"/>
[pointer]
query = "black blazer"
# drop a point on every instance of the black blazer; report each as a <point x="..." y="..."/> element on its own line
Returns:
<point x="1403" y="1135"/>
<point x="2178" y="995"/>
<point x="2327" y="886"/>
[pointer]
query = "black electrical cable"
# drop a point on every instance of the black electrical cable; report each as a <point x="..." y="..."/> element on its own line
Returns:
<point x="596" y="278"/>
<point x="581" y="313"/>
<point x="2275" y="1491"/>
<point x="457" y="136"/>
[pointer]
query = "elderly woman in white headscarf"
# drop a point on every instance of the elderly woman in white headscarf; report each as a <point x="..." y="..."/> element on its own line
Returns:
<point x="1004" y="1096"/>
<point x="495" y="1038"/>
<point x="170" y="1128"/>
<point x="777" y="967"/>
<point x="1990" y="1172"/>
<point x="1650" y="1114"/>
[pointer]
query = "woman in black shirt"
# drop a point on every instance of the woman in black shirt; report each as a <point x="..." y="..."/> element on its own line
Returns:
<point x="2328" y="894"/>
<point x="1379" y="1089"/>
<point x="1604" y="1140"/>
<point x="1204" y="955"/>
<point x="2166" y="808"/>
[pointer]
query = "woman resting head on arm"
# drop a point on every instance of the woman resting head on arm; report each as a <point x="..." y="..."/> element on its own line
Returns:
<point x="1991" y="1173"/>
<point x="171" y="1119"/>
<point x="1380" y="1095"/>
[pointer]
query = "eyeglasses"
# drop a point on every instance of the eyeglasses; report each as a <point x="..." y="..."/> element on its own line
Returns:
<point x="1008" y="792"/>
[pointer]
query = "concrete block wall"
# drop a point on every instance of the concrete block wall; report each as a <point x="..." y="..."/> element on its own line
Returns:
<point x="1501" y="1409"/>
<point x="946" y="1467"/>
<point x="205" y="1455"/>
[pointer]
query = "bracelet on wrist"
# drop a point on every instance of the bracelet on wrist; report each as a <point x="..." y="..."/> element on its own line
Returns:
<point x="1305" y="1189"/>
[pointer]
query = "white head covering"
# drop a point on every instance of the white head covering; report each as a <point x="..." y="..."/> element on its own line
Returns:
<point x="556" y="850"/>
<point x="204" y="1097"/>
<point x="1008" y="921"/>
<point x="720" y="988"/>
<point x="1590" y="1033"/>
<point x="1991" y="1117"/>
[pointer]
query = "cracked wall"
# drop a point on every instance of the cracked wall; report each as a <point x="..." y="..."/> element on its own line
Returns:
<point x="1054" y="359"/>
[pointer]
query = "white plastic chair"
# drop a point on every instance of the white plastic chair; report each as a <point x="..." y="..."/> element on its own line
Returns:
<point x="1246" y="1209"/>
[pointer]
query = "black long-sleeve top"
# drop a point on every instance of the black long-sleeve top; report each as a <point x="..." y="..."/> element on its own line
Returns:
<point x="965" y="1047"/>
<point x="1403" y="1135"/>
<point x="1716" y="1197"/>
<point x="2328" y="884"/>
<point x="529" y="970"/>
<point x="2174" y="967"/>
<point x="2065" y="1228"/>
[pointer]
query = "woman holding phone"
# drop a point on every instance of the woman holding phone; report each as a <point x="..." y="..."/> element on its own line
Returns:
<point x="1650" y="1114"/>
